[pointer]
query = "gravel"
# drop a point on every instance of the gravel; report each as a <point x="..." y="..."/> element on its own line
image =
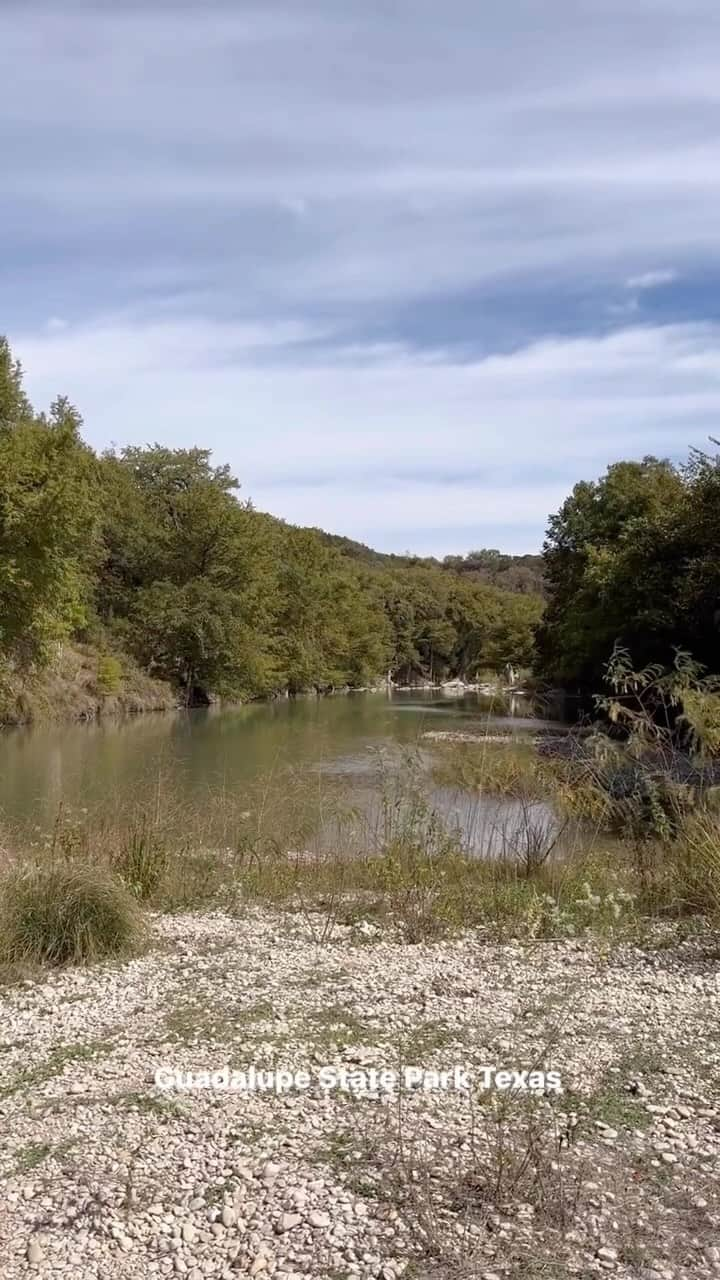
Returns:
<point x="106" y="1175"/>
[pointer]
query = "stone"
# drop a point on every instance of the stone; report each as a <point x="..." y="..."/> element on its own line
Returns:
<point x="318" y="1219"/>
<point x="35" y="1254"/>
<point x="289" y="1220"/>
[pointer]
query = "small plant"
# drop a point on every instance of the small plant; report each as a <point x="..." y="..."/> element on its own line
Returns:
<point x="61" y="914"/>
<point x="142" y="862"/>
<point x="109" y="674"/>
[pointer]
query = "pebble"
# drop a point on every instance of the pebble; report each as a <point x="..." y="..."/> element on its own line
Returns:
<point x="290" y="1220"/>
<point x="607" y="1254"/>
<point x="217" y="1192"/>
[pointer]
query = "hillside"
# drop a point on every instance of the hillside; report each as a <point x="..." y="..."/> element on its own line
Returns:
<point x="523" y="574"/>
<point x="149" y="559"/>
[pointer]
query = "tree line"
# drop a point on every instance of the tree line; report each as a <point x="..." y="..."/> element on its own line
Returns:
<point x="633" y="561"/>
<point x="152" y="552"/>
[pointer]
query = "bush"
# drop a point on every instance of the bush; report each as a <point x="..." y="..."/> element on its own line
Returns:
<point x="65" y="915"/>
<point x="109" y="674"/>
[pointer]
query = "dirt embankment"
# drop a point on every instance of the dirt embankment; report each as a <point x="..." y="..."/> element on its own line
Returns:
<point x="81" y="684"/>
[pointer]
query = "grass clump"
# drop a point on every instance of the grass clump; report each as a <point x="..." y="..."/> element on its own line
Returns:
<point x="59" y="915"/>
<point x="142" y="861"/>
<point x="499" y="768"/>
<point x="683" y="876"/>
<point x="697" y="865"/>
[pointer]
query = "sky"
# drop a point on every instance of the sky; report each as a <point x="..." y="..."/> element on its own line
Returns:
<point x="412" y="269"/>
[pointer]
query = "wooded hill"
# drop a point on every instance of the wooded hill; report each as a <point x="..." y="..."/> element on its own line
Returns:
<point x="151" y="552"/>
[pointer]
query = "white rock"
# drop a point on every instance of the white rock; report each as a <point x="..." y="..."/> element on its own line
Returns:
<point x="290" y="1220"/>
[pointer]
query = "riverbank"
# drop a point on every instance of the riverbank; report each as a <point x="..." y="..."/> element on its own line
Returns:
<point x="82" y="684"/>
<point x="85" y="683"/>
<point x="106" y="1173"/>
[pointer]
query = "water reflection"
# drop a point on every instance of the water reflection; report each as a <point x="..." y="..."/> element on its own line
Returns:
<point x="118" y="763"/>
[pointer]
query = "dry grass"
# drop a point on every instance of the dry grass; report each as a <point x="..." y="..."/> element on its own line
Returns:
<point x="81" y="684"/>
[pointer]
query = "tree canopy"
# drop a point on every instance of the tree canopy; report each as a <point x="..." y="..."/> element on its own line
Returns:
<point x="632" y="560"/>
<point x="152" y="551"/>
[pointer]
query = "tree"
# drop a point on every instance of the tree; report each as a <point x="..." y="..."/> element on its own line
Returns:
<point x="188" y="579"/>
<point x="632" y="560"/>
<point x="48" y="522"/>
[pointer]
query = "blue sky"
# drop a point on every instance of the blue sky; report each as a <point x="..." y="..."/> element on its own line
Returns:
<point x="411" y="269"/>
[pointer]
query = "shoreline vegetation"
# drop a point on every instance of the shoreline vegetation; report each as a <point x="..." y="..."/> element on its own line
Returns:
<point x="594" y="831"/>
<point x="84" y="684"/>
<point x="148" y="559"/>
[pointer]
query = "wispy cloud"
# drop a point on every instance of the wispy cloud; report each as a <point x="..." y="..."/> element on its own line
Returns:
<point x="652" y="279"/>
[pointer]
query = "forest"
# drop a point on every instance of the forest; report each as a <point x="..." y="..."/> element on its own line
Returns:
<point x="151" y="554"/>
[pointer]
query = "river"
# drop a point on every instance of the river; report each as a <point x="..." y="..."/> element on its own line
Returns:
<point x="88" y="767"/>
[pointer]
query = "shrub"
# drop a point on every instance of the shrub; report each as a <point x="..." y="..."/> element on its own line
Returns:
<point x="65" y="915"/>
<point x="109" y="674"/>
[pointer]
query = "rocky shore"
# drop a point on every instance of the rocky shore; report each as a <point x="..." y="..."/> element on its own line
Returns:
<point x="105" y="1173"/>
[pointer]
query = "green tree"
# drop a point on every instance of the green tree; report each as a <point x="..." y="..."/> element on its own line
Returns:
<point x="188" y="578"/>
<point x="616" y="562"/>
<point x="48" y="522"/>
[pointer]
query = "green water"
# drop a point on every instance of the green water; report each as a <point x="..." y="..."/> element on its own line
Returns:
<point x="196" y="754"/>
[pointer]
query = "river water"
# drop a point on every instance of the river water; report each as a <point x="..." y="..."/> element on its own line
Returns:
<point x="199" y="753"/>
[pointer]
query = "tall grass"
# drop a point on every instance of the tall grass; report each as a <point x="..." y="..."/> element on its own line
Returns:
<point x="59" y="914"/>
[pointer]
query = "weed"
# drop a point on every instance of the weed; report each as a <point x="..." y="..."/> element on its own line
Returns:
<point x="149" y="1104"/>
<point x="31" y="1156"/>
<point x="54" y="1065"/>
<point x="109" y="674"/>
<point x="142" y="861"/>
<point x="36" y="1153"/>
